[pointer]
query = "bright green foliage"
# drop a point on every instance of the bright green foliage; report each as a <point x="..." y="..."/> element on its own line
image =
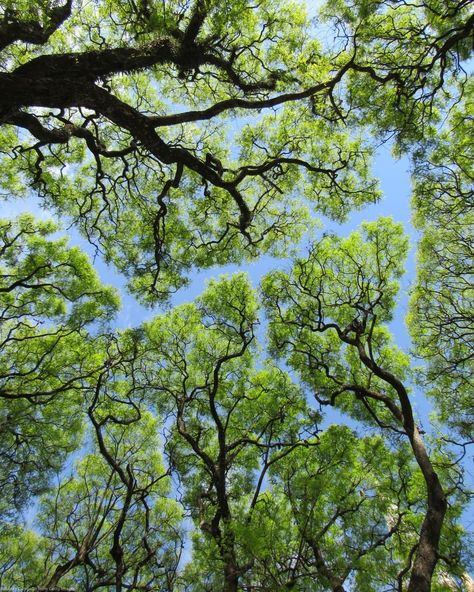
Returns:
<point x="49" y="296"/>
<point x="442" y="306"/>
<point x="110" y="523"/>
<point x="337" y="514"/>
<point x="233" y="421"/>
<point x="346" y="287"/>
<point x="84" y="514"/>
<point x="20" y="562"/>
<point x="405" y="56"/>
<point x="81" y="519"/>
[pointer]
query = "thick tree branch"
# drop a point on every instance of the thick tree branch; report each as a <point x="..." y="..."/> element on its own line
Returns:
<point x="13" y="28"/>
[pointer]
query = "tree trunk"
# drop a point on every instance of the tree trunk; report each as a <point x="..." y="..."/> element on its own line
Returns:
<point x="426" y="555"/>
<point x="231" y="577"/>
<point x="427" y="552"/>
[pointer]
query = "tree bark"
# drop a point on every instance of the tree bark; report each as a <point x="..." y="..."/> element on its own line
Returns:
<point x="427" y="552"/>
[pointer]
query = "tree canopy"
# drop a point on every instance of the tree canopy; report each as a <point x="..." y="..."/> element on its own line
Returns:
<point x="260" y="438"/>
